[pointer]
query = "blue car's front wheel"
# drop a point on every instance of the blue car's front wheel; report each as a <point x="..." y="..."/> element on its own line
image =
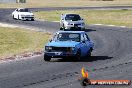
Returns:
<point x="78" y="55"/>
<point x="47" y="58"/>
<point x="89" y="53"/>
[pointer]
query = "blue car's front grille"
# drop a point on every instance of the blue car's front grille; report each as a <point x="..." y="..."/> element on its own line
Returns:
<point x="61" y="48"/>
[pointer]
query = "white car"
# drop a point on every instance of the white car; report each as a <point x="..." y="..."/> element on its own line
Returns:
<point x="22" y="14"/>
<point x="71" y="22"/>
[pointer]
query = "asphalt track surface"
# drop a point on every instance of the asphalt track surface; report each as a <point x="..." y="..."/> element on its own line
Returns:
<point x="111" y="59"/>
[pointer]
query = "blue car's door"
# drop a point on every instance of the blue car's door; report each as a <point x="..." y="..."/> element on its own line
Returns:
<point x="87" y="41"/>
<point x="84" y="45"/>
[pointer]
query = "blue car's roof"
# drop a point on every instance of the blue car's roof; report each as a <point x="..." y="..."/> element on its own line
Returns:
<point x="70" y="32"/>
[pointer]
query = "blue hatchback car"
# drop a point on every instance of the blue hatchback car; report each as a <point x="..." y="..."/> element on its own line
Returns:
<point x="68" y="44"/>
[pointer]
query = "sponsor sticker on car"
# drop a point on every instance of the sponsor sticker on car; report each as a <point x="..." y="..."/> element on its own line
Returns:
<point x="58" y="53"/>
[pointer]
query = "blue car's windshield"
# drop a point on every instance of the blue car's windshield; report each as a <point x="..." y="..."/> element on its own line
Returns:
<point x="67" y="37"/>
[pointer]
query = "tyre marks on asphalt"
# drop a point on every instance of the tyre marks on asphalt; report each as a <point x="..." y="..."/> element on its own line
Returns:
<point x="52" y="78"/>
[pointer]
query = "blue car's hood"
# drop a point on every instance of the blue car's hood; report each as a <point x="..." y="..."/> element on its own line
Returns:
<point x="63" y="43"/>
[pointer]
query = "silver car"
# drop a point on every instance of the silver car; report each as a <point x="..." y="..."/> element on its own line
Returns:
<point x="71" y="22"/>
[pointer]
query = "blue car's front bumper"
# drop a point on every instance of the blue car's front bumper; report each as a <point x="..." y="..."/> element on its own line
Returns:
<point x="59" y="54"/>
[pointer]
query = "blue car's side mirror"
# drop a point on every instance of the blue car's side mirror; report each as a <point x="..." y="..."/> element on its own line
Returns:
<point x="50" y="40"/>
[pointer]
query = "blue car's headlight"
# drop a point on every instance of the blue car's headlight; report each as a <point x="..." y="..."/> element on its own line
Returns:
<point x="48" y="48"/>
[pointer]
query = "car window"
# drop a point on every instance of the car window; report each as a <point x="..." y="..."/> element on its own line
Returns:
<point x="24" y="10"/>
<point x="16" y="9"/>
<point x="86" y="37"/>
<point x="82" y="38"/>
<point x="74" y="37"/>
<point x="67" y="37"/>
<point x="73" y="17"/>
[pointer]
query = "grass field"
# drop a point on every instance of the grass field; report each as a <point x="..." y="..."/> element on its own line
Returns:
<point x="16" y="41"/>
<point x="111" y="17"/>
<point x="67" y="3"/>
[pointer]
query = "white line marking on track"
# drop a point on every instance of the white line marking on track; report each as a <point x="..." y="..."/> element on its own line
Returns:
<point x="8" y="25"/>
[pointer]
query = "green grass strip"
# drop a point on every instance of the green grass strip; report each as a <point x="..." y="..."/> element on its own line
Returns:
<point x="16" y="41"/>
<point x="108" y="17"/>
